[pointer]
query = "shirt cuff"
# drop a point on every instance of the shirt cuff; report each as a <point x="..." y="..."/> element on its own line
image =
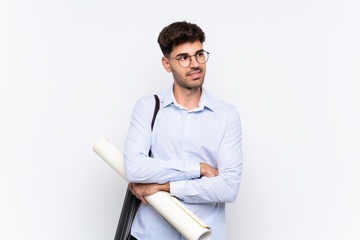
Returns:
<point x="180" y="189"/>
<point x="193" y="169"/>
<point x="176" y="189"/>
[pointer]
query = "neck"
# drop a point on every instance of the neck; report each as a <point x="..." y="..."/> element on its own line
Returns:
<point x="188" y="98"/>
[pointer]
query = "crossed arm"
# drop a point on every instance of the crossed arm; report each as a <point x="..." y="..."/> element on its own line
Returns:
<point x="140" y="190"/>
<point x="190" y="181"/>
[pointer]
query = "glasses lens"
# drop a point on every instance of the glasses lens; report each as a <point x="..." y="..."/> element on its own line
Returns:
<point x="202" y="57"/>
<point x="184" y="61"/>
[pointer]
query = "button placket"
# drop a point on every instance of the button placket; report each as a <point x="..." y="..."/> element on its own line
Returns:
<point x="186" y="136"/>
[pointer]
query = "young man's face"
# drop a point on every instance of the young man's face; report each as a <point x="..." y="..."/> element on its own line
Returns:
<point x="192" y="76"/>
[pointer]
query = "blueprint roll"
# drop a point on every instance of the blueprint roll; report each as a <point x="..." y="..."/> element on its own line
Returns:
<point x="186" y="222"/>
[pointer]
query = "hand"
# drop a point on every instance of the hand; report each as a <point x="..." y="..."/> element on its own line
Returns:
<point x="140" y="190"/>
<point x="208" y="171"/>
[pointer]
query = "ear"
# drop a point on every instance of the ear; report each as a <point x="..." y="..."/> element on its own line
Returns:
<point x="166" y="64"/>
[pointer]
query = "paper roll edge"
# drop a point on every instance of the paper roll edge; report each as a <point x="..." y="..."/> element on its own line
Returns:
<point x="106" y="142"/>
<point x="98" y="142"/>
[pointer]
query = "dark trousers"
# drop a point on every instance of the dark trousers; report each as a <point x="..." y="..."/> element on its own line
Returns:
<point x="132" y="238"/>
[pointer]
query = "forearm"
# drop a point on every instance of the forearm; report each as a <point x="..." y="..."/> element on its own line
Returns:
<point x="143" y="169"/>
<point x="223" y="188"/>
<point x="152" y="170"/>
<point x="141" y="190"/>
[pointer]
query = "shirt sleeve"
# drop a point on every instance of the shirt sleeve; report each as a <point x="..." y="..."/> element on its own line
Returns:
<point x="139" y="167"/>
<point x="224" y="187"/>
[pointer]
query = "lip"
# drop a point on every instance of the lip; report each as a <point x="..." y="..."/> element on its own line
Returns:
<point x="194" y="74"/>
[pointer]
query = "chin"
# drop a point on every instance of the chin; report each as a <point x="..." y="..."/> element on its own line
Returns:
<point x="198" y="85"/>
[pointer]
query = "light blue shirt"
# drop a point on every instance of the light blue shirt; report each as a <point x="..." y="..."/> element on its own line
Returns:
<point x="180" y="140"/>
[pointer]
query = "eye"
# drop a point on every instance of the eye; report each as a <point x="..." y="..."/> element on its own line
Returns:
<point x="183" y="58"/>
<point x="200" y="54"/>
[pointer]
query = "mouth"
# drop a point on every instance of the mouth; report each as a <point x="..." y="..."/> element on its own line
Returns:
<point x="195" y="74"/>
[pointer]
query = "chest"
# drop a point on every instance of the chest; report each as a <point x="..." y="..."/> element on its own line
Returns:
<point x="188" y="135"/>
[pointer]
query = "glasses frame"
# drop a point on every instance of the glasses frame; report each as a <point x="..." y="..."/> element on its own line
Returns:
<point x="190" y="56"/>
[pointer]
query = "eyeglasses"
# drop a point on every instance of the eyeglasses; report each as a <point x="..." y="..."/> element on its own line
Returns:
<point x="185" y="59"/>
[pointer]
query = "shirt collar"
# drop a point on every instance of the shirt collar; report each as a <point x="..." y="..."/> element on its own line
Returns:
<point x="205" y="100"/>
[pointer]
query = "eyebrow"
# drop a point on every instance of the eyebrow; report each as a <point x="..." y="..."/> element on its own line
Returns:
<point x="182" y="54"/>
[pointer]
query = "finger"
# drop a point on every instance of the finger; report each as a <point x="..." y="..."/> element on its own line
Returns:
<point x="133" y="188"/>
<point x="132" y="191"/>
<point x="142" y="199"/>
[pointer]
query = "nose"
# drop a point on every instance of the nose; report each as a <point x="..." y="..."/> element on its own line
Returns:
<point x="193" y="63"/>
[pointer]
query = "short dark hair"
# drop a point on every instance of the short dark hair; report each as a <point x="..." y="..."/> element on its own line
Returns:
<point x="178" y="33"/>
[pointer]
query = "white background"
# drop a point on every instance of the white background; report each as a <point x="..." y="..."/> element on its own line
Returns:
<point x="71" y="72"/>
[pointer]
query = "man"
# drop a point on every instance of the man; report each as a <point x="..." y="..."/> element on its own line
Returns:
<point x="195" y="142"/>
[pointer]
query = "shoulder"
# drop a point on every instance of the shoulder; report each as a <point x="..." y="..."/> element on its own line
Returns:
<point x="146" y="100"/>
<point x="145" y="105"/>
<point x="222" y="107"/>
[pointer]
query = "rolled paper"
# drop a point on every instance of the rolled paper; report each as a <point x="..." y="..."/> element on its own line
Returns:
<point x="179" y="216"/>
